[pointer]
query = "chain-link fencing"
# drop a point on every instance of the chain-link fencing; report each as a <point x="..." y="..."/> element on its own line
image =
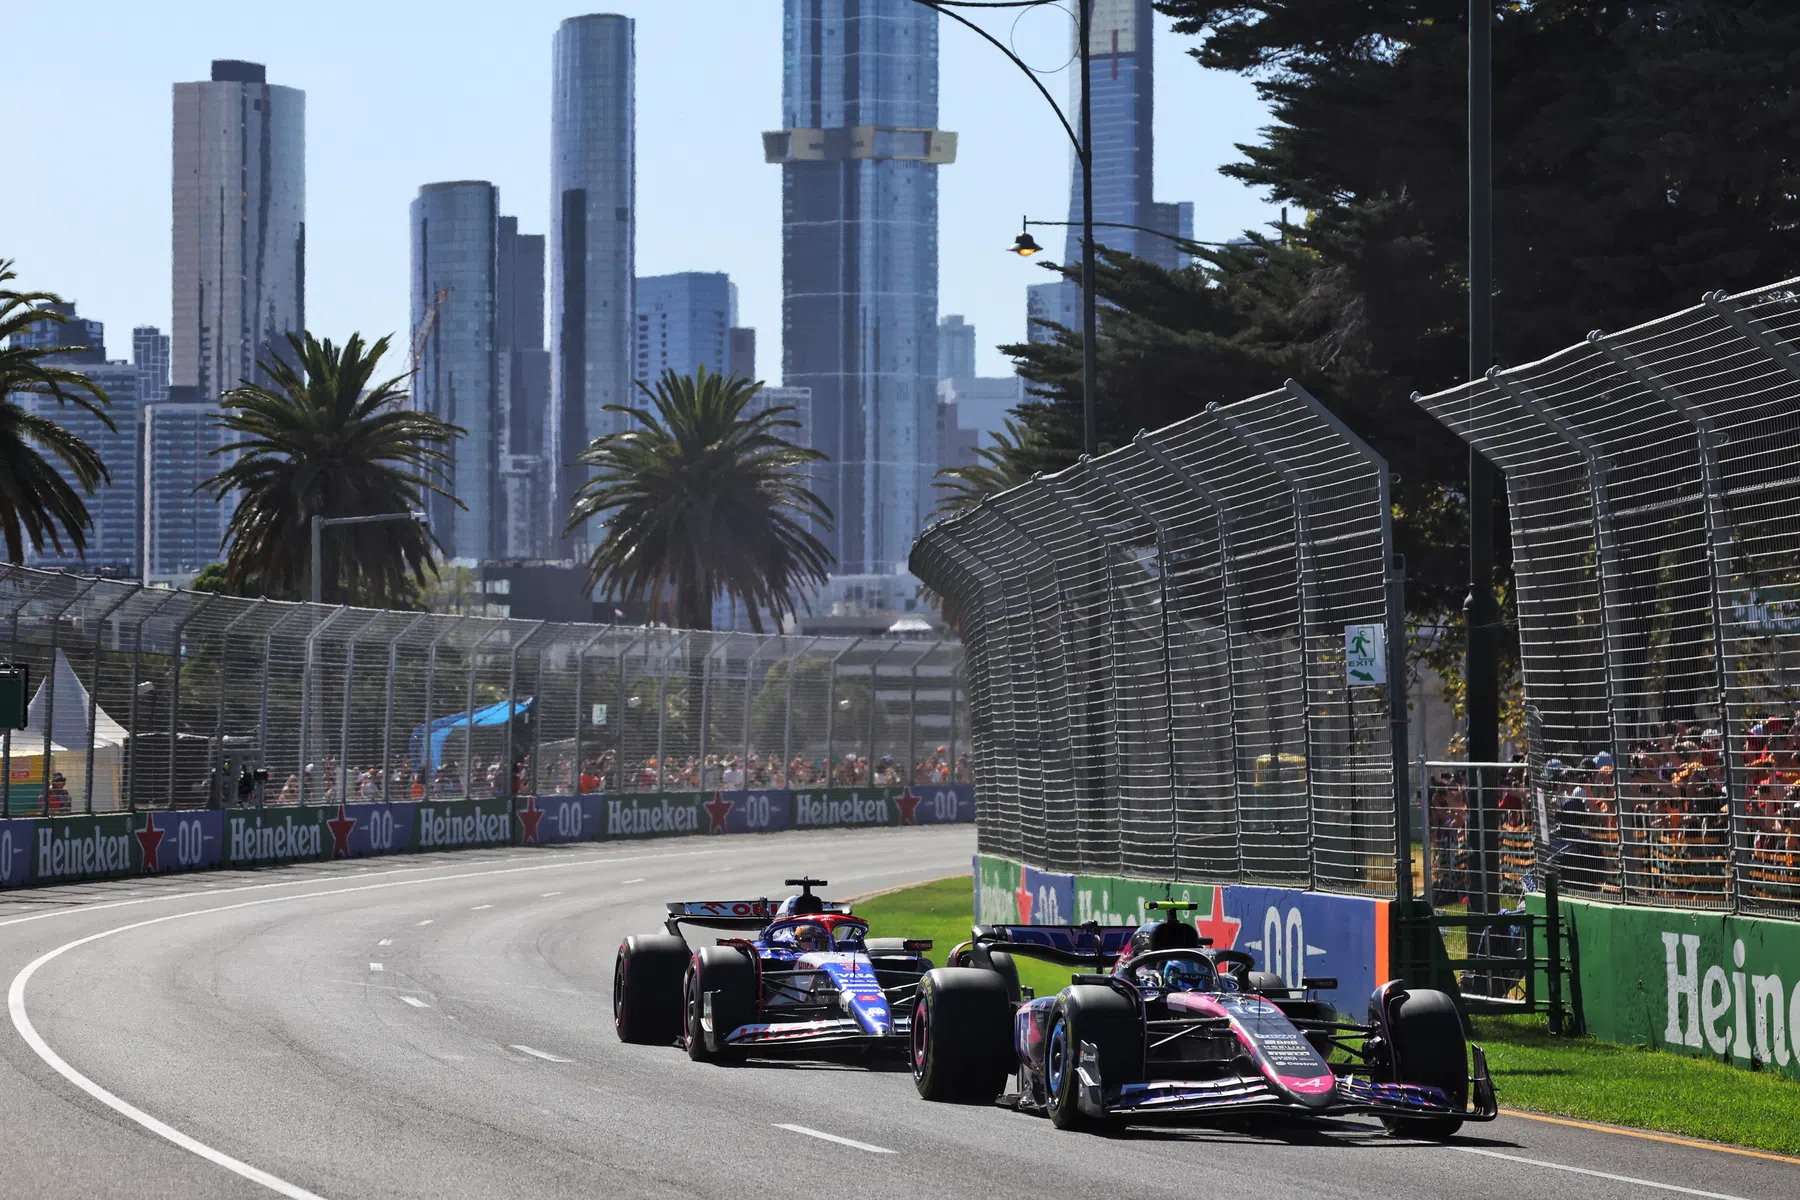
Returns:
<point x="1160" y="646"/>
<point x="151" y="698"/>
<point x="1654" y="495"/>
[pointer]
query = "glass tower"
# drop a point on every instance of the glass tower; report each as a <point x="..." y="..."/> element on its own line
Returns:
<point x="455" y="228"/>
<point x="593" y="188"/>
<point x="859" y="156"/>
<point x="684" y="322"/>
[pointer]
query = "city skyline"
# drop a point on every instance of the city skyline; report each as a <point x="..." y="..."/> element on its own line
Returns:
<point x="369" y="148"/>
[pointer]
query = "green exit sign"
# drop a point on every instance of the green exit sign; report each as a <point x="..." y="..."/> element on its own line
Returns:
<point x="15" y="692"/>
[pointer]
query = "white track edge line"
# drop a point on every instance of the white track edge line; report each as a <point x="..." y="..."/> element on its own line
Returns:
<point x="842" y="1141"/>
<point x="1556" y="1166"/>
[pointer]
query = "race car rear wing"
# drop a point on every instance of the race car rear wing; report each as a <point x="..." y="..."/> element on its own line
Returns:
<point x="1092" y="944"/>
<point x="729" y="914"/>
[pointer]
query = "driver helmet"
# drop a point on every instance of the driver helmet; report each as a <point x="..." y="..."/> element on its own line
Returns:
<point x="811" y="938"/>
<point x="1186" y="975"/>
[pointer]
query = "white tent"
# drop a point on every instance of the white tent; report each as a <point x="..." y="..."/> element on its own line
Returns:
<point x="69" y="732"/>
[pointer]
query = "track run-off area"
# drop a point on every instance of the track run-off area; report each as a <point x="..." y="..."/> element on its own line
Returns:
<point x="440" y="1026"/>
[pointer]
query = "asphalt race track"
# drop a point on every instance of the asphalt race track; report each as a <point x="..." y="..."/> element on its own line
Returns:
<point x="440" y="1026"/>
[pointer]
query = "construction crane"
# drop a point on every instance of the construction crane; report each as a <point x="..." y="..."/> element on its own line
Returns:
<point x="422" y="332"/>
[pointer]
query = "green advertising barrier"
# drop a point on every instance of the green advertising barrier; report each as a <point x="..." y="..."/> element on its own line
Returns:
<point x="1706" y="984"/>
<point x="276" y="835"/>
<point x="653" y="814"/>
<point x="461" y="824"/>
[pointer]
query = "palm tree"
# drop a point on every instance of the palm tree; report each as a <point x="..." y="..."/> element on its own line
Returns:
<point x="320" y="440"/>
<point x="1009" y="462"/>
<point x="702" y="499"/>
<point x="36" y="502"/>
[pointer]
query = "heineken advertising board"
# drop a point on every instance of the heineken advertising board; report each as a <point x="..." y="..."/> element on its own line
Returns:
<point x="1706" y="984"/>
<point x="464" y="824"/>
<point x="258" y="836"/>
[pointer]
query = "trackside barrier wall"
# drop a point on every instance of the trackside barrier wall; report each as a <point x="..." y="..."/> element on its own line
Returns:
<point x="47" y="850"/>
<point x="1653" y="489"/>
<point x="1292" y="933"/>
<point x="1160" y="646"/>
<point x="1707" y="984"/>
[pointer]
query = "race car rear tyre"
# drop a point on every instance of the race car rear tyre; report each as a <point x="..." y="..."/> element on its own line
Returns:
<point x="730" y="976"/>
<point x="962" y="1036"/>
<point x="646" y="995"/>
<point x="1107" y="1020"/>
<point x="1429" y="1049"/>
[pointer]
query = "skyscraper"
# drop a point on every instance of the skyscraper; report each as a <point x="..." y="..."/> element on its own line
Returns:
<point x="181" y="528"/>
<point x="239" y="228"/>
<point x="956" y="348"/>
<point x="684" y="322"/>
<point x="1121" y="46"/>
<point x="75" y="338"/>
<point x="859" y="156"/>
<point x="150" y="354"/>
<point x="593" y="189"/>
<point x="524" y="393"/>
<point x="455" y="227"/>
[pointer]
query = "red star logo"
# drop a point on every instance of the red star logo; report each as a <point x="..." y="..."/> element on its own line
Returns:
<point x="908" y="802"/>
<point x="340" y="827"/>
<point x="150" y="837"/>
<point x="1022" y="898"/>
<point x="1220" y="928"/>
<point x="716" y="808"/>
<point x="529" y="816"/>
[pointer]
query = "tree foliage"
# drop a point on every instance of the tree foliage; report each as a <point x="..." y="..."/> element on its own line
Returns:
<point x="1643" y="155"/>
<point x="702" y="499"/>
<point x="36" y="503"/>
<point x="320" y="440"/>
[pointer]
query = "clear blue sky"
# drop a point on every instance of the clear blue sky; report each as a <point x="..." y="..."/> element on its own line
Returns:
<point x="400" y="94"/>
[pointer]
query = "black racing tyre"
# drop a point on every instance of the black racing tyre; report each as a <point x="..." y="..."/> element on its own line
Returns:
<point x="1265" y="981"/>
<point x="962" y="1047"/>
<point x="1429" y="1048"/>
<point x="1100" y="1015"/>
<point x="646" y="994"/>
<point x="728" y="973"/>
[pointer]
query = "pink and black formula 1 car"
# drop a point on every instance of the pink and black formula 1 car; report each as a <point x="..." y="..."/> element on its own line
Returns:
<point x="806" y="977"/>
<point x="1166" y="1029"/>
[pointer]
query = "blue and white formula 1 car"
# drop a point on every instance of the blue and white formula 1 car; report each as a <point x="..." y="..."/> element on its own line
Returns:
<point x="1166" y="1029"/>
<point x="808" y="977"/>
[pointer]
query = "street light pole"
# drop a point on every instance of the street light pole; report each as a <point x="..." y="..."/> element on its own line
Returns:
<point x="1481" y="615"/>
<point x="321" y="524"/>
<point x="1084" y="144"/>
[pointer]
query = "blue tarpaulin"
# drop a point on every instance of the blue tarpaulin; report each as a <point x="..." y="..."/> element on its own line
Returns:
<point x="432" y="737"/>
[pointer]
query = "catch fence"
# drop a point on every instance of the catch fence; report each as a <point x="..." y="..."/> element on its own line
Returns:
<point x="152" y="697"/>
<point x="1158" y="643"/>
<point x="1653" y="481"/>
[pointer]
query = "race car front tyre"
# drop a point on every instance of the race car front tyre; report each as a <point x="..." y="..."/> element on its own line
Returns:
<point x="962" y="1036"/>
<point x="1109" y="1022"/>
<point x="728" y="975"/>
<point x="647" y="976"/>
<point x="1429" y="1049"/>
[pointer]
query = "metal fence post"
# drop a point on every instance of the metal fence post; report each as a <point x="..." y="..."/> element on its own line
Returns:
<point x="468" y="781"/>
<point x="875" y="704"/>
<point x="1306" y="571"/>
<point x="535" y="780"/>
<point x="262" y="703"/>
<point x="87" y="805"/>
<point x="6" y="735"/>
<point x="427" y="772"/>
<point x="581" y="717"/>
<point x="1398" y="733"/>
<point x="306" y="690"/>
<point x="194" y="610"/>
<point x="50" y="685"/>
<point x="706" y="705"/>
<point x="217" y="748"/>
<point x="662" y="707"/>
<point x="756" y="648"/>
<point x="831" y="710"/>
<point x="912" y="729"/>
<point x="787" y="732"/>
<point x="387" y="709"/>
<point x="510" y="766"/>
<point x="1230" y="598"/>
<point x="619" y="765"/>
<point x="1720" y="540"/>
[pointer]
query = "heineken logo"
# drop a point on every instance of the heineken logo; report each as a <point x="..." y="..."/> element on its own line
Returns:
<point x="63" y="852"/>
<point x="252" y="841"/>
<point x="1728" y="1008"/>
<point x="627" y="819"/>
<point x="856" y="809"/>
<point x="443" y="828"/>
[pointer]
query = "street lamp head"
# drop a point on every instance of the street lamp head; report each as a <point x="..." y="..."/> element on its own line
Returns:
<point x="1024" y="245"/>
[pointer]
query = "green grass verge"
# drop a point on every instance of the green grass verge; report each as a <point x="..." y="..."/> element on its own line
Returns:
<point x="1569" y="1077"/>
<point x="1638" y="1086"/>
